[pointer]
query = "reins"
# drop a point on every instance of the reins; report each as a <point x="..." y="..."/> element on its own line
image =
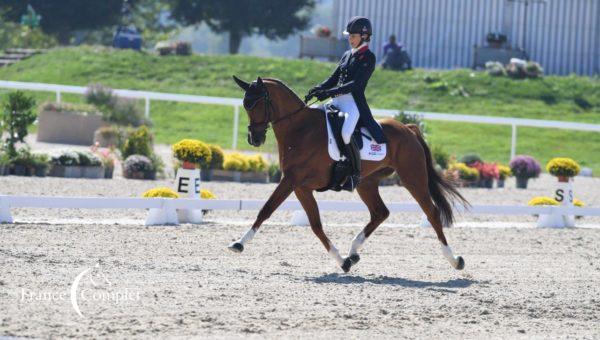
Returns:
<point x="268" y="120"/>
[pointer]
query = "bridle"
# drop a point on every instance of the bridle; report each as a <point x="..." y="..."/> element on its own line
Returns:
<point x="268" y="104"/>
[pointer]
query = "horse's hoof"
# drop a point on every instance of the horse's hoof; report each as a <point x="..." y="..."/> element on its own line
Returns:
<point x="236" y="247"/>
<point x="461" y="263"/>
<point x="354" y="258"/>
<point x="346" y="265"/>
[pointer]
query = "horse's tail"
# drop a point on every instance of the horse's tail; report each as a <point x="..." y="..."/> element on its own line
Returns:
<point x="442" y="191"/>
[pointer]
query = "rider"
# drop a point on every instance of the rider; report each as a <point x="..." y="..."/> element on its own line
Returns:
<point x="347" y="87"/>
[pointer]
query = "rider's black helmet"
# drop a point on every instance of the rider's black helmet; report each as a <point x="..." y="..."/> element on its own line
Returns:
<point x="359" y="25"/>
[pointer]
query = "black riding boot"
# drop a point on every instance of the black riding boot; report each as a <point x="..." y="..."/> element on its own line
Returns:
<point x="353" y="155"/>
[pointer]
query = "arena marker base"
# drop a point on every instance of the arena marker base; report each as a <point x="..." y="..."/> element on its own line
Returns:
<point x="425" y="222"/>
<point x="5" y="216"/>
<point x="300" y="219"/>
<point x="164" y="216"/>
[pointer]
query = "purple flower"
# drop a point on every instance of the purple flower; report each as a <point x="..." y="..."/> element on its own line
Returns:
<point x="525" y="166"/>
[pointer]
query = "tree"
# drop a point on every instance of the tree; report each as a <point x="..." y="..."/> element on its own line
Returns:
<point x="17" y="115"/>
<point x="273" y="19"/>
<point x="62" y="17"/>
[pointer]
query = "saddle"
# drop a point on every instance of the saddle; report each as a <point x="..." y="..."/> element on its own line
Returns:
<point x="341" y="168"/>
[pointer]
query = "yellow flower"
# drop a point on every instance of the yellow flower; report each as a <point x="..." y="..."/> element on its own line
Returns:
<point x="563" y="167"/>
<point x="465" y="172"/>
<point x="161" y="192"/>
<point x="504" y="171"/>
<point x="542" y="200"/>
<point x="191" y="150"/>
<point x="206" y="194"/>
<point x="236" y="162"/>
<point x="578" y="203"/>
<point x="257" y="163"/>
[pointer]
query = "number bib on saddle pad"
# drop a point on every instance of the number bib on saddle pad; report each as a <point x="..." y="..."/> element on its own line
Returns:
<point x="370" y="151"/>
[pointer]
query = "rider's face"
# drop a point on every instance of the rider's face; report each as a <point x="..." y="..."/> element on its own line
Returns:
<point x="354" y="40"/>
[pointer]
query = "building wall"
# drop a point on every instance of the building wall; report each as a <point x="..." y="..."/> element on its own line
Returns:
<point x="563" y="35"/>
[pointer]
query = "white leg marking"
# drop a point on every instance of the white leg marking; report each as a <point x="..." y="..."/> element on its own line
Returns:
<point x="357" y="243"/>
<point x="335" y="254"/>
<point x="248" y="236"/>
<point x="449" y="255"/>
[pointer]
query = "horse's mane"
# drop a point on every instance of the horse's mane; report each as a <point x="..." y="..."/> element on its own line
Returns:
<point x="287" y="88"/>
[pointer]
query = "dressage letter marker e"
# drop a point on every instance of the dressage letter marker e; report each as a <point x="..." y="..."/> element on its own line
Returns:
<point x="185" y="188"/>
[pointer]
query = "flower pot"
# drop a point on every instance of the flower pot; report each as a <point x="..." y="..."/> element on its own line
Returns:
<point x="276" y="177"/>
<point x="188" y="165"/>
<point x="500" y="183"/>
<point x="108" y="172"/>
<point x="67" y="171"/>
<point x="563" y="179"/>
<point x="20" y="170"/>
<point x="73" y="171"/>
<point x="93" y="172"/>
<point x="255" y="177"/>
<point x="522" y="182"/>
<point x="206" y="175"/>
<point x="40" y="171"/>
<point x="226" y="175"/>
<point x="486" y="183"/>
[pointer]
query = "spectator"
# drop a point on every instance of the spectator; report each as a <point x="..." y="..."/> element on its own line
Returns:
<point x="394" y="57"/>
<point x="391" y="45"/>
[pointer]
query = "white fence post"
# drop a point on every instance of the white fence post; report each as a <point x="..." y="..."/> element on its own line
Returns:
<point x="5" y="216"/>
<point x="513" y="142"/>
<point x="236" y="123"/>
<point x="147" y="108"/>
<point x="58" y="96"/>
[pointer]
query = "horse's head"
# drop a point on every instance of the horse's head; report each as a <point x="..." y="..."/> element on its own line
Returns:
<point x="259" y="108"/>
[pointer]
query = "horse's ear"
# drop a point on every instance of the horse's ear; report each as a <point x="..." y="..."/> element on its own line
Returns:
<point x="242" y="84"/>
<point x="259" y="82"/>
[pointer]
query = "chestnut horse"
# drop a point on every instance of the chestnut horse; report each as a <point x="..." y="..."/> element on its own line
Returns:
<point x="301" y="135"/>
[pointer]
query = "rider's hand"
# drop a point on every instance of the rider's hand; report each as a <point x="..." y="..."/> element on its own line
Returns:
<point x="322" y="95"/>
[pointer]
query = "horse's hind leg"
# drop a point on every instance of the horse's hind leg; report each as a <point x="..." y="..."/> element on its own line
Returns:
<point x="368" y="190"/>
<point x="414" y="178"/>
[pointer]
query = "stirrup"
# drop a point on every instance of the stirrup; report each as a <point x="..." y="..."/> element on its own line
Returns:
<point x="351" y="183"/>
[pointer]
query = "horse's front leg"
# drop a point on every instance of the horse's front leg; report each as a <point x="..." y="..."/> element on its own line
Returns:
<point x="283" y="190"/>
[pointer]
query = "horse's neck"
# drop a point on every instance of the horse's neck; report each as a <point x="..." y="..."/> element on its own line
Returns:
<point x="299" y="129"/>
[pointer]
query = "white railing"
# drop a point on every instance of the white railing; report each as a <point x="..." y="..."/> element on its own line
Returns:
<point x="147" y="96"/>
<point x="7" y="202"/>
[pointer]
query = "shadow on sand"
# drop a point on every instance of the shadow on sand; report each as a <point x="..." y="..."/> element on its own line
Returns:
<point x="393" y="281"/>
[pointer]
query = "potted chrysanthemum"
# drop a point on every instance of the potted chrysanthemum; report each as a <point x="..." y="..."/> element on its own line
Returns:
<point x="524" y="168"/>
<point x="503" y="173"/>
<point x="563" y="168"/>
<point x="215" y="164"/>
<point x="192" y="153"/>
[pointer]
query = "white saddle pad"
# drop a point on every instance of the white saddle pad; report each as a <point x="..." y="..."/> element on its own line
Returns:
<point x="371" y="151"/>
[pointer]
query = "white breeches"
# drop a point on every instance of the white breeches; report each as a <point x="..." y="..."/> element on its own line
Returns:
<point x="347" y="105"/>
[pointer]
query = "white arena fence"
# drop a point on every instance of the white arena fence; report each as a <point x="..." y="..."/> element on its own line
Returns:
<point x="236" y="103"/>
<point x="167" y="208"/>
